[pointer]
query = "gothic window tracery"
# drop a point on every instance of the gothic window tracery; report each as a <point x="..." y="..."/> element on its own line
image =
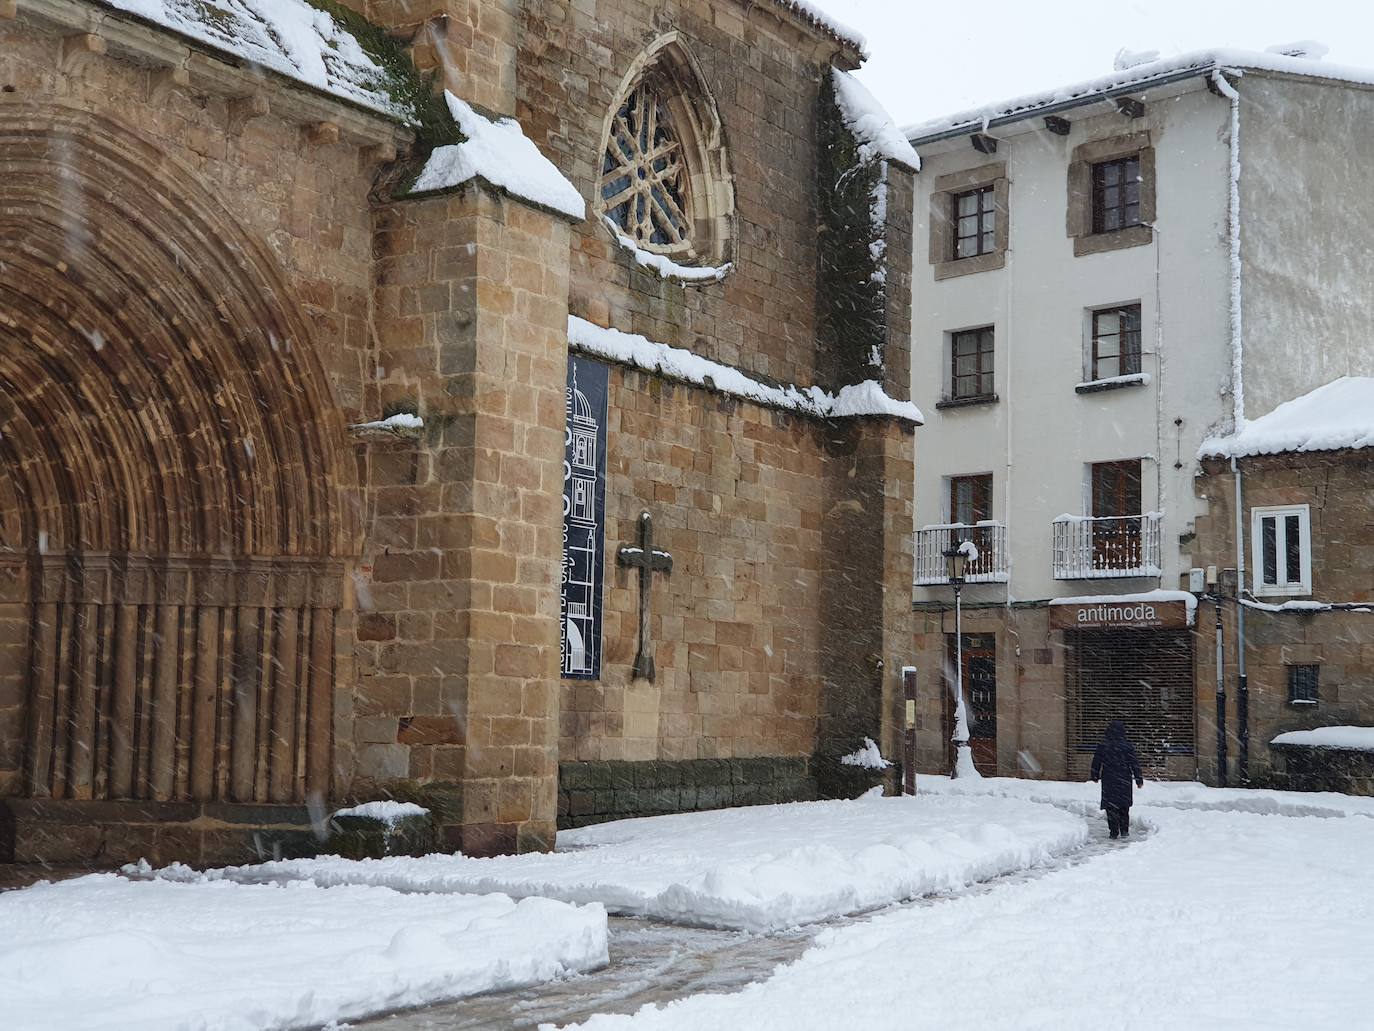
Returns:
<point x="664" y="182"/>
<point x="642" y="181"/>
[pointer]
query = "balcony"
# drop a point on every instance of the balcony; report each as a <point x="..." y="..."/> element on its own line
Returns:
<point x="1106" y="548"/>
<point x="989" y="537"/>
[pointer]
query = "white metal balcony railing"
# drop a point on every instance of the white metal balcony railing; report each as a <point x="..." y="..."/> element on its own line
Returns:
<point x="989" y="537"/>
<point x="1087" y="548"/>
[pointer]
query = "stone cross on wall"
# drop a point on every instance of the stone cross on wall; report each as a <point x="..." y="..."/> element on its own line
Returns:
<point x="648" y="561"/>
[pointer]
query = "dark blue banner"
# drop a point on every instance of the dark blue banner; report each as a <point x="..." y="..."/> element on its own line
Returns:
<point x="584" y="504"/>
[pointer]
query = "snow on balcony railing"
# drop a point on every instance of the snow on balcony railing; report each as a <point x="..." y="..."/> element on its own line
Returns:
<point x="1087" y="548"/>
<point x="989" y="567"/>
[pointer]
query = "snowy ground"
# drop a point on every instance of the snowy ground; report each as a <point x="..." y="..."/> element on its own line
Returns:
<point x="1215" y="918"/>
<point x="1226" y="909"/>
<point x="1083" y="796"/>
<point x="760" y="868"/>
<point x="101" y="953"/>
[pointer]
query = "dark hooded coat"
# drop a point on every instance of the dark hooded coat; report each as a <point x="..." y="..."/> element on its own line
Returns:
<point x="1116" y="765"/>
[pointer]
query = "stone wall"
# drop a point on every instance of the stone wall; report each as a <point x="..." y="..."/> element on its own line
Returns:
<point x="737" y="493"/>
<point x="1031" y="708"/>
<point x="598" y="791"/>
<point x="764" y="74"/>
<point x="296" y="195"/>
<point x="788" y="598"/>
<point x="1338" y="486"/>
<point x="458" y="641"/>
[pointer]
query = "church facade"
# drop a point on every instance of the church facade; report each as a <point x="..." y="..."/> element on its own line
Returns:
<point x="497" y="405"/>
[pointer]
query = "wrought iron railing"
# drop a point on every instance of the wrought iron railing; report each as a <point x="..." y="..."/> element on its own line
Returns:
<point x="1087" y="548"/>
<point x="990" y="566"/>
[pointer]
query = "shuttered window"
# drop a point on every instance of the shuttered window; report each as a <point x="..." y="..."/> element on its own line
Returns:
<point x="1144" y="677"/>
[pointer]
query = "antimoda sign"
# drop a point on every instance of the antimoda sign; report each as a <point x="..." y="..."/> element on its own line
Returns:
<point x="1151" y="615"/>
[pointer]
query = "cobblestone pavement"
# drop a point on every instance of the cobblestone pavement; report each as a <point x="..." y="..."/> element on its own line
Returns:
<point x="655" y="963"/>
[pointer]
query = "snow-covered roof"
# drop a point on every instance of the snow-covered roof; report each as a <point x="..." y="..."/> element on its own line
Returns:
<point x="1333" y="417"/>
<point x="873" y="128"/>
<point x="866" y="398"/>
<point x="817" y="18"/>
<point x="498" y="153"/>
<point x="291" y="37"/>
<point x="1138" y="75"/>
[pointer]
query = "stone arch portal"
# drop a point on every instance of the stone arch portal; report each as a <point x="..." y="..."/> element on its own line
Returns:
<point x="173" y="530"/>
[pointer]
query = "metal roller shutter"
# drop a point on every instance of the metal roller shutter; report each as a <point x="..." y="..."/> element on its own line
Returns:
<point x="1144" y="677"/>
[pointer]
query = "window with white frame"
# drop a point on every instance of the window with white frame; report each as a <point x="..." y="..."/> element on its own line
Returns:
<point x="1281" y="546"/>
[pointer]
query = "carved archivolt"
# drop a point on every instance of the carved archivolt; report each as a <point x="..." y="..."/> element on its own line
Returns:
<point x="172" y="478"/>
<point x="665" y="178"/>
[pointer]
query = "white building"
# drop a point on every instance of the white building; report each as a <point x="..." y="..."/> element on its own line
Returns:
<point x="1095" y="268"/>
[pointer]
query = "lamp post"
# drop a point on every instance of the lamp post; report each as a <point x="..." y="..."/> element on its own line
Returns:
<point x="956" y="561"/>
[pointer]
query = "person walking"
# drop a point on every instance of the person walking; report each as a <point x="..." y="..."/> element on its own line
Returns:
<point x="1116" y="765"/>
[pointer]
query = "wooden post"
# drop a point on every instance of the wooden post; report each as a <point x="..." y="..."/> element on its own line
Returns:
<point x="909" y="731"/>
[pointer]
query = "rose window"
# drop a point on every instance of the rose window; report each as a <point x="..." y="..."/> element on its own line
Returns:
<point x="665" y="183"/>
<point x="643" y="187"/>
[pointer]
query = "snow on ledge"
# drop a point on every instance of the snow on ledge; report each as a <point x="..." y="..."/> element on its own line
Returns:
<point x="873" y="128"/>
<point x="291" y="37"/>
<point x="388" y="811"/>
<point x="861" y="399"/>
<point x="500" y="154"/>
<point x="1308" y="606"/>
<point x="664" y="266"/>
<point x="870" y="757"/>
<point x="1333" y="417"/>
<point x="1188" y="600"/>
<point x="812" y="14"/>
<point x="399" y="423"/>
<point x="1356" y="739"/>
<point x="1143" y="378"/>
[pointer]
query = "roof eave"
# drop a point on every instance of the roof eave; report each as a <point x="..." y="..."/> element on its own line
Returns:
<point x="954" y="132"/>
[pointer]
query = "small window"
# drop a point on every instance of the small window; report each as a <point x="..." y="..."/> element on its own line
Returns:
<point x="975" y="222"/>
<point x="1115" y="342"/>
<point x="970" y="499"/>
<point x="1302" y="684"/>
<point x="1116" y="194"/>
<point x="1281" y="544"/>
<point x="971" y="364"/>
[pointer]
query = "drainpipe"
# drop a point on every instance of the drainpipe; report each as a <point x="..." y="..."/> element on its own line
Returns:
<point x="1242" y="684"/>
<point x="1238" y="421"/>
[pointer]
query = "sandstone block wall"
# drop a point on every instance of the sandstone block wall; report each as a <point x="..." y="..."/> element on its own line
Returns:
<point x="304" y="197"/>
<point x="1031" y="708"/>
<point x="1339" y="487"/>
<point x="737" y="493"/>
<point x="764" y="75"/>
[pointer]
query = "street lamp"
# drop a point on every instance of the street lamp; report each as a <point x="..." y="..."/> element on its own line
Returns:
<point x="956" y="563"/>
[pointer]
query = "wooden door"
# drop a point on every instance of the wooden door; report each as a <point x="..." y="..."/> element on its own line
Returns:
<point x="980" y="699"/>
<point x="1116" y="499"/>
<point x="970" y="503"/>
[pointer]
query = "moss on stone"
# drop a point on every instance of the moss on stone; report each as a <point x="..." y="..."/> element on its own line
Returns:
<point x="412" y="91"/>
<point x="852" y="302"/>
